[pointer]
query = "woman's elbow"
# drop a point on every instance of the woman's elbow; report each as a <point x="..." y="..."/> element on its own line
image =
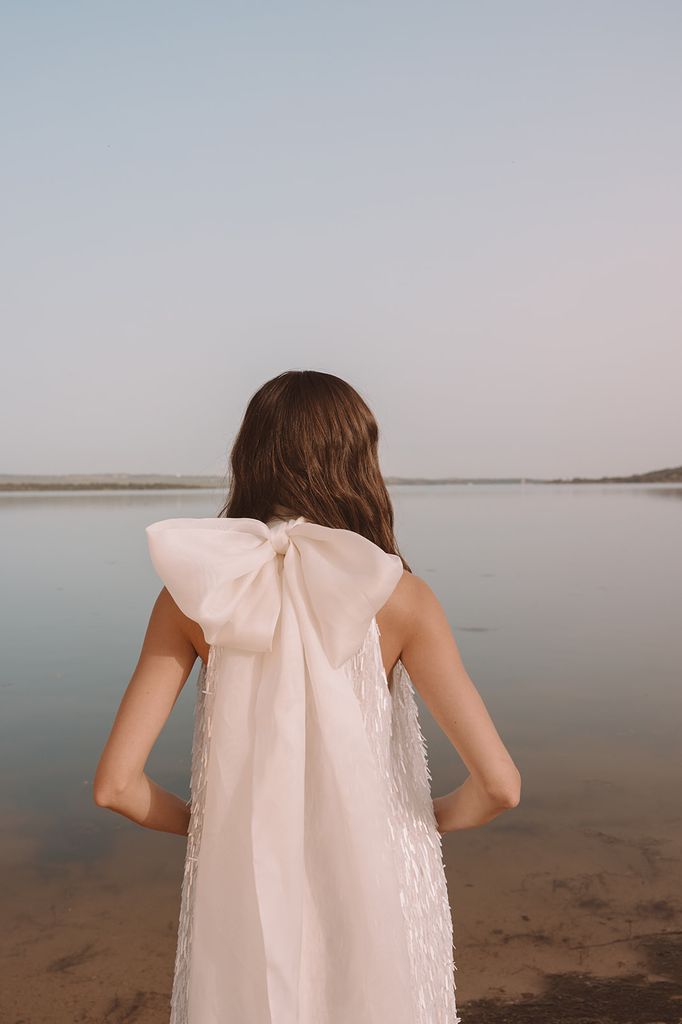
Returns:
<point x="107" y="791"/>
<point x="506" y="793"/>
<point x="103" y="795"/>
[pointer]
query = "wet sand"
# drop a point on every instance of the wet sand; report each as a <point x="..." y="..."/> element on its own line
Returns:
<point x="573" y="924"/>
<point x="561" y="922"/>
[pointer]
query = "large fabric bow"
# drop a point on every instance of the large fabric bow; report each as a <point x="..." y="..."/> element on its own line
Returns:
<point x="225" y="575"/>
<point x="299" y="598"/>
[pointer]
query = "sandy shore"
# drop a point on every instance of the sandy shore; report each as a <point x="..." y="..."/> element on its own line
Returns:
<point x="563" y="923"/>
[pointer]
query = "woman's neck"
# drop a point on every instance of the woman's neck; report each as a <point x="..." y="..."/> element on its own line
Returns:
<point x="281" y="513"/>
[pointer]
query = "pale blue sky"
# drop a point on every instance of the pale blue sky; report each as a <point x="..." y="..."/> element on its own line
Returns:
<point x="471" y="211"/>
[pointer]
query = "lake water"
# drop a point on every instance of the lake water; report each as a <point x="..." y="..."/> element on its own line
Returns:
<point x="566" y="603"/>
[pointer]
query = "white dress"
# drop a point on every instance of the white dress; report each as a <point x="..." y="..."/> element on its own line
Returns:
<point x="314" y="889"/>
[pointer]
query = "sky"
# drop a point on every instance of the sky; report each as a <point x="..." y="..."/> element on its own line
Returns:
<point x="470" y="211"/>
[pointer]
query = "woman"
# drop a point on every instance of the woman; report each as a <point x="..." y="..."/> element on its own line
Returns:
<point x="314" y="889"/>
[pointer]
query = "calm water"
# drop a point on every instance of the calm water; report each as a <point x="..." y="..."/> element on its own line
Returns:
<point x="566" y="604"/>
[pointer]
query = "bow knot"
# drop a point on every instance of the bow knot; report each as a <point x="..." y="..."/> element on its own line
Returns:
<point x="279" y="537"/>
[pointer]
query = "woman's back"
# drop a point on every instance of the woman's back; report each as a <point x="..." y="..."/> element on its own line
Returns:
<point x="314" y="888"/>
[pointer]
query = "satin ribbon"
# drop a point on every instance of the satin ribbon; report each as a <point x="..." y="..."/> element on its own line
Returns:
<point x="303" y="596"/>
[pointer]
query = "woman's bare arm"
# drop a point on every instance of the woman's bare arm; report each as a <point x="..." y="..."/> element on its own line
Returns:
<point x="433" y="662"/>
<point x="164" y="665"/>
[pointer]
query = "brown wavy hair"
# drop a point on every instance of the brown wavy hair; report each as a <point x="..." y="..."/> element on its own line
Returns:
<point x="308" y="446"/>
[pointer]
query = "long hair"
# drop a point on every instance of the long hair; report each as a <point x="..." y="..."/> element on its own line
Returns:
<point x="308" y="446"/>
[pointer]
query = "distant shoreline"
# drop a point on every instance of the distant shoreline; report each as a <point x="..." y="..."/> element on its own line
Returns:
<point x="160" y="482"/>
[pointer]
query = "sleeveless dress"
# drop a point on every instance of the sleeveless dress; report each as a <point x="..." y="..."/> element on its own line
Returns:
<point x="314" y="889"/>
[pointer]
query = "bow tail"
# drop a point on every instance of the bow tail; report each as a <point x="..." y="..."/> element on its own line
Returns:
<point x="357" y="959"/>
<point x="277" y="822"/>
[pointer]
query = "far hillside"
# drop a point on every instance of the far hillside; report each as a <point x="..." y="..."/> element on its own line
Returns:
<point x="655" y="476"/>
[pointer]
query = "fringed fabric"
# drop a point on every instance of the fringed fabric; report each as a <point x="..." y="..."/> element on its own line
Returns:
<point x="201" y="749"/>
<point x="392" y="720"/>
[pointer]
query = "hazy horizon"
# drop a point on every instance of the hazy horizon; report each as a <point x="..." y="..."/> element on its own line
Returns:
<point x="390" y="477"/>
<point x="470" y="212"/>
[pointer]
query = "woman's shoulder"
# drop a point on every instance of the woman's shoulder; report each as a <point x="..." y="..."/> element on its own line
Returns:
<point x="410" y="602"/>
<point x="410" y="594"/>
